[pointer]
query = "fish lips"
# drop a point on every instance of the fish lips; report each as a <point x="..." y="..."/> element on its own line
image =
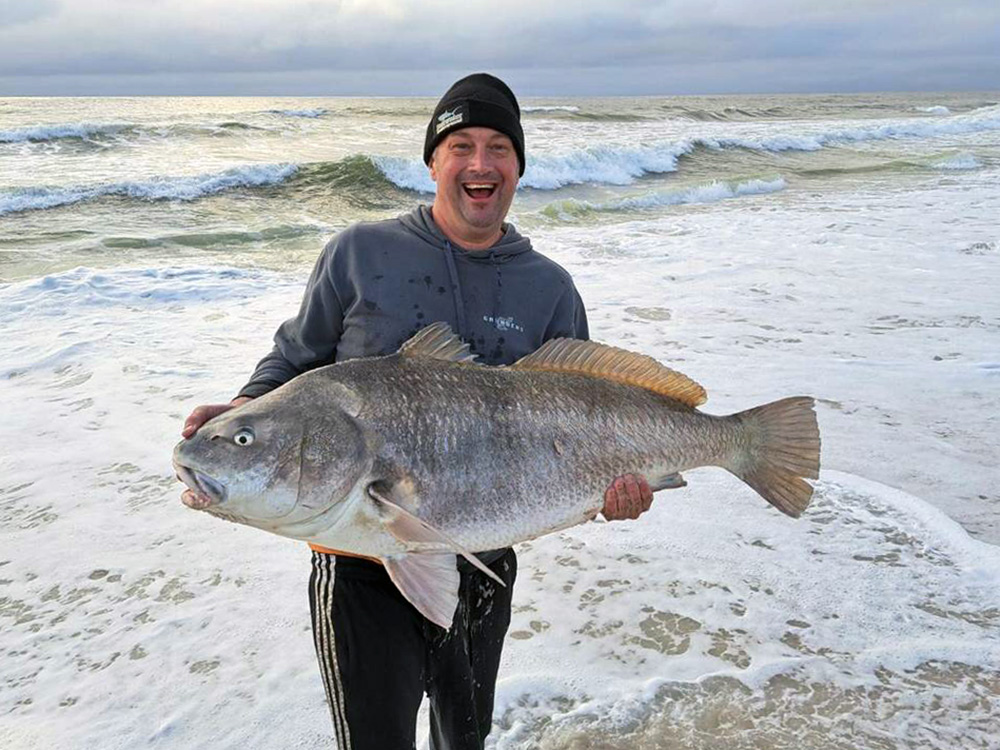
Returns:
<point x="207" y="490"/>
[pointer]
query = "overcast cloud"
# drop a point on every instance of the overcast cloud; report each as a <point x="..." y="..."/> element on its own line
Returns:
<point x="411" y="47"/>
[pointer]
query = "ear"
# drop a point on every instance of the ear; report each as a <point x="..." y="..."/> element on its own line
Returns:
<point x="432" y="166"/>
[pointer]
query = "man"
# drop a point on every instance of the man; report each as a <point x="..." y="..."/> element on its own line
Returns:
<point x="373" y="287"/>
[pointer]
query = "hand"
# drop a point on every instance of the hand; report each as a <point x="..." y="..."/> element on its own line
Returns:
<point x="192" y="424"/>
<point x="202" y="414"/>
<point x="627" y="497"/>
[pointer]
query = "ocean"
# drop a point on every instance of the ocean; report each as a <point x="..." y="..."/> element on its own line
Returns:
<point x="841" y="246"/>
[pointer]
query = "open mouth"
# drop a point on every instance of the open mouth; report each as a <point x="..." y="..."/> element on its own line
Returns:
<point x="479" y="190"/>
<point x="208" y="490"/>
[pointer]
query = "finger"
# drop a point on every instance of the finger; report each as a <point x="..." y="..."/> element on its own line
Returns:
<point x="634" y="496"/>
<point x="610" y="502"/>
<point x="630" y="501"/>
<point x="624" y="503"/>
<point x="195" y="500"/>
<point x="194" y="420"/>
<point x="646" y="493"/>
<point x="200" y="415"/>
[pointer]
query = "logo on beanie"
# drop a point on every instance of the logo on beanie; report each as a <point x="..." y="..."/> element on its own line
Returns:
<point x="453" y="116"/>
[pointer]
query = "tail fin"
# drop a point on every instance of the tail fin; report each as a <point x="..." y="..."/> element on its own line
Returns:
<point x="781" y="446"/>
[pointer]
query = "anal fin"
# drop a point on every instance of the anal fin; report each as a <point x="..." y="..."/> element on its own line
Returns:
<point x="666" y="482"/>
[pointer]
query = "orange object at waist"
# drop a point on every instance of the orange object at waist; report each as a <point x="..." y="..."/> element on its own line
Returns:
<point x="328" y="551"/>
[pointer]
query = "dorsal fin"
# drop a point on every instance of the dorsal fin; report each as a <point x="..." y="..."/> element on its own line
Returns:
<point x="612" y="363"/>
<point x="438" y="341"/>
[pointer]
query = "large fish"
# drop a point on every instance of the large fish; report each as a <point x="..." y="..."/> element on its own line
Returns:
<point x="423" y="455"/>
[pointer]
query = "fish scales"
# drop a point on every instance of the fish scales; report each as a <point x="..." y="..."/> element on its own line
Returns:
<point x="422" y="455"/>
<point x="503" y="480"/>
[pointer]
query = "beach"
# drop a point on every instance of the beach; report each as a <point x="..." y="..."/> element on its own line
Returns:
<point x="841" y="246"/>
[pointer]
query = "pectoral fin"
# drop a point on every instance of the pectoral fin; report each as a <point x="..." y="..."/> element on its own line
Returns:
<point x="418" y="534"/>
<point x="429" y="581"/>
<point x="667" y="482"/>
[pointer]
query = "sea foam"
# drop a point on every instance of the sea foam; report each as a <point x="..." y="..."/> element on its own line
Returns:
<point x="64" y="293"/>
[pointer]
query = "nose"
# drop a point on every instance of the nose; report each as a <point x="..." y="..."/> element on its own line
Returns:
<point x="479" y="160"/>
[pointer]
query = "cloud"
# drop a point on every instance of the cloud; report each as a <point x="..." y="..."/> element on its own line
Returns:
<point x="271" y="37"/>
<point x="14" y="12"/>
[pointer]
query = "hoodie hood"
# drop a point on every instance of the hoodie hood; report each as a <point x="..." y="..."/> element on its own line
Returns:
<point x="421" y="222"/>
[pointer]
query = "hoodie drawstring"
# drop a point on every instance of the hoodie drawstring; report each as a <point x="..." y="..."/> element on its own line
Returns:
<point x="456" y="290"/>
<point x="496" y="299"/>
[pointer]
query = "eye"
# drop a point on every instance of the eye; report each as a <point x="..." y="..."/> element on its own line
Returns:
<point x="244" y="436"/>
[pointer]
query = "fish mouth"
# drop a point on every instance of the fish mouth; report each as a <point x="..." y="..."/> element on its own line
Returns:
<point x="207" y="490"/>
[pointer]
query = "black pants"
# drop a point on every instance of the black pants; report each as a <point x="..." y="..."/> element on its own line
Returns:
<point x="378" y="655"/>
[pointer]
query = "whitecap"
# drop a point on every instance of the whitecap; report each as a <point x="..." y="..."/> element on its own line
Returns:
<point x="40" y="133"/>
<point x="313" y="113"/>
<point x="964" y="160"/>
<point x="613" y="165"/>
<point x="549" y="108"/>
<point x="709" y="193"/>
<point x="157" y="188"/>
<point x="980" y="120"/>
<point x="409" y="174"/>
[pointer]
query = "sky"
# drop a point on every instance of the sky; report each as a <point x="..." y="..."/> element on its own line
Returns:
<point x="542" y="47"/>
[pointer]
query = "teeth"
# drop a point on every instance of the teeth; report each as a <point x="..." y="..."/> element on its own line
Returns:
<point x="478" y="186"/>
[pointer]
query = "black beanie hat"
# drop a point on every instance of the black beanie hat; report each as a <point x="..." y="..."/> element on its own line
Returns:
<point x="477" y="100"/>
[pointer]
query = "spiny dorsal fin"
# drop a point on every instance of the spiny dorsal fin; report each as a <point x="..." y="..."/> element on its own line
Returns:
<point x="612" y="363"/>
<point x="438" y="341"/>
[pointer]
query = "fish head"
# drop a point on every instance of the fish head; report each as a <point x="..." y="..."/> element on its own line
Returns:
<point x="277" y="461"/>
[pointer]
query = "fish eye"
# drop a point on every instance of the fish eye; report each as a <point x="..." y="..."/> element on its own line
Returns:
<point x="244" y="436"/>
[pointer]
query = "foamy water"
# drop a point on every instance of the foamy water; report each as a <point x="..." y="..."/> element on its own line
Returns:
<point x="862" y="272"/>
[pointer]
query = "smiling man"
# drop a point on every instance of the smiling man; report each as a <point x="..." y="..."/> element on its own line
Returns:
<point x="373" y="287"/>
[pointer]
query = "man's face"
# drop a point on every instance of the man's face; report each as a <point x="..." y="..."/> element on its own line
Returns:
<point x="476" y="171"/>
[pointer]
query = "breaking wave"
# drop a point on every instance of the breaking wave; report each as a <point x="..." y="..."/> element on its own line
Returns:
<point x="937" y="110"/>
<point x="620" y="165"/>
<point x="105" y="133"/>
<point x="155" y="189"/>
<point x="361" y="180"/>
<point x="980" y="120"/>
<point x="81" y="131"/>
<point x="318" y="112"/>
<point x="964" y="160"/>
<point x="726" y="114"/>
<point x="529" y="109"/>
<point x="612" y="165"/>
<point x="713" y="192"/>
<point x="371" y="180"/>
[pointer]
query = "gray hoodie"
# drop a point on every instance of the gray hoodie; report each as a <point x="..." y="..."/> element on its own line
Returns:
<point x="376" y="284"/>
